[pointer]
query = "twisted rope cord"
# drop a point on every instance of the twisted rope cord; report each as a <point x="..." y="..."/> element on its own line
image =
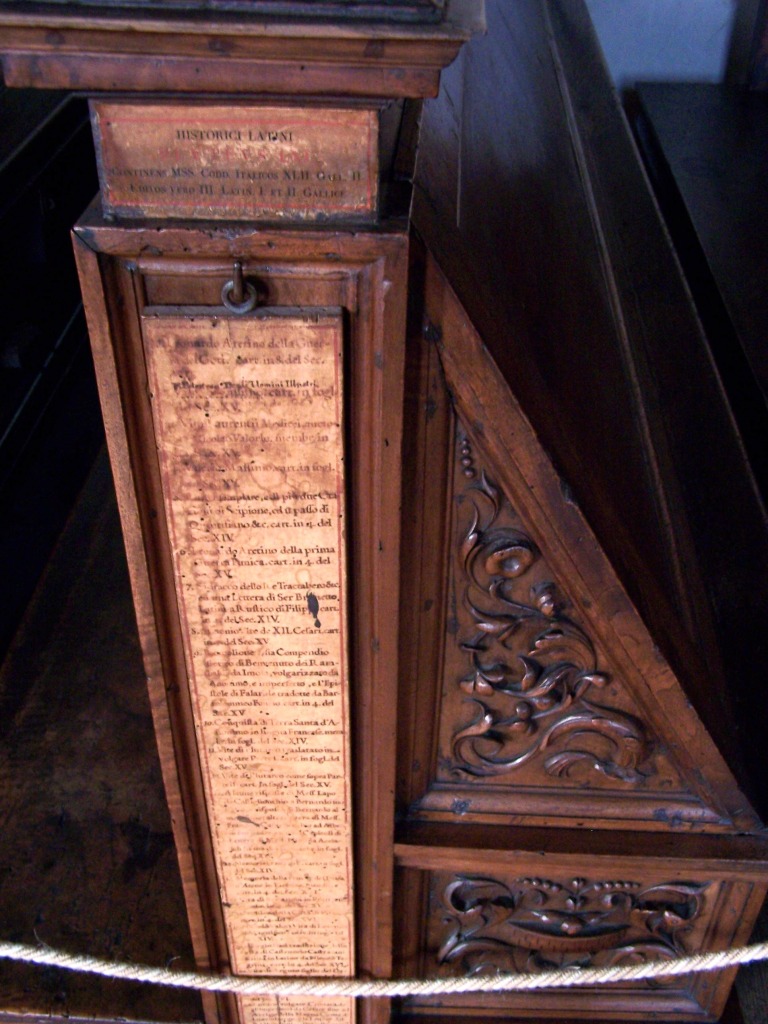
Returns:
<point x="320" y="987"/>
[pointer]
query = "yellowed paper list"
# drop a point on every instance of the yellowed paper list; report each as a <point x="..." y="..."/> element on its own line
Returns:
<point x="248" y="417"/>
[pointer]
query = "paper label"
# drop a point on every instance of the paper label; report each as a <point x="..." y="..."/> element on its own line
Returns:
<point x="248" y="420"/>
<point x="236" y="162"/>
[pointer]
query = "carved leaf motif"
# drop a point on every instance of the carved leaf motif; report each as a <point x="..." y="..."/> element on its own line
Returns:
<point x="534" y="924"/>
<point x="533" y="669"/>
<point x="469" y="543"/>
<point x="619" y="732"/>
<point x="501" y="626"/>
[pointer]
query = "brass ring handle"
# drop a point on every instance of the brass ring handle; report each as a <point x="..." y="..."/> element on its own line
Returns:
<point x="248" y="303"/>
<point x="238" y="295"/>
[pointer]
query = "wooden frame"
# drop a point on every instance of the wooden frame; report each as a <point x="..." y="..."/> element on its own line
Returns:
<point x="460" y="382"/>
<point x="122" y="271"/>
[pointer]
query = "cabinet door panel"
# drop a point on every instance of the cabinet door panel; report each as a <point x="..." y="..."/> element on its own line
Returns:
<point x="482" y="923"/>
<point x="361" y="277"/>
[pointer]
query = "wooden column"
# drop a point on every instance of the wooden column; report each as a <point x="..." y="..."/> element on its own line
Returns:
<point x="244" y="274"/>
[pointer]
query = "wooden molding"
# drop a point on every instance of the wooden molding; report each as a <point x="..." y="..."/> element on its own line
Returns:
<point x="67" y="46"/>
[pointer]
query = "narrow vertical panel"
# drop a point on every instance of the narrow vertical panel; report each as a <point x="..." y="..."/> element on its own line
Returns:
<point x="248" y="422"/>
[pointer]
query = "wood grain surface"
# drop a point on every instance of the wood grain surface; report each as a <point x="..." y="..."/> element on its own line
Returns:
<point x="87" y="862"/>
<point x="67" y="46"/>
<point x="554" y="247"/>
<point x="128" y="269"/>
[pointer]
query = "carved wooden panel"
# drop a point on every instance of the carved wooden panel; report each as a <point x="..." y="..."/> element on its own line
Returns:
<point x="536" y="702"/>
<point x="530" y="701"/>
<point x="552" y="703"/>
<point x="488" y="923"/>
<point x="533" y="924"/>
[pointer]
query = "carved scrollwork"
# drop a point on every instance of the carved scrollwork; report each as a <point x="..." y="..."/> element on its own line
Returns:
<point x="532" y="669"/>
<point x="534" y="924"/>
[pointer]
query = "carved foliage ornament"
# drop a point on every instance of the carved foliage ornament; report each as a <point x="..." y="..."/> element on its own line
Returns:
<point x="532" y="669"/>
<point x="534" y="924"/>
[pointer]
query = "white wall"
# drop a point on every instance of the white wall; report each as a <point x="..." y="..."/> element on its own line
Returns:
<point x="664" y="40"/>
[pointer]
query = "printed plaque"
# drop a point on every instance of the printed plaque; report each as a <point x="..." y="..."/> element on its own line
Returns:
<point x="236" y="162"/>
<point x="248" y="419"/>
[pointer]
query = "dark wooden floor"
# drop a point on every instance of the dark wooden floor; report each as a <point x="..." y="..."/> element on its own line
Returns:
<point x="86" y="859"/>
<point x="86" y="856"/>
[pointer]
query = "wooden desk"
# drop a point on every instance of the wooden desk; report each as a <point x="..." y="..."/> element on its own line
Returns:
<point x="552" y="710"/>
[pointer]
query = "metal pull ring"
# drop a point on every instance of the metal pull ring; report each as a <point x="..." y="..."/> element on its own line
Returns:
<point x="237" y="295"/>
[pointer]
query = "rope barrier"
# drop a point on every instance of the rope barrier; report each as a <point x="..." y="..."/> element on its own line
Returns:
<point x="334" y="987"/>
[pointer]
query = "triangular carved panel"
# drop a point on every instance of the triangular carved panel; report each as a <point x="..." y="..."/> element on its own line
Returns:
<point x="553" y="704"/>
<point x="535" y="700"/>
